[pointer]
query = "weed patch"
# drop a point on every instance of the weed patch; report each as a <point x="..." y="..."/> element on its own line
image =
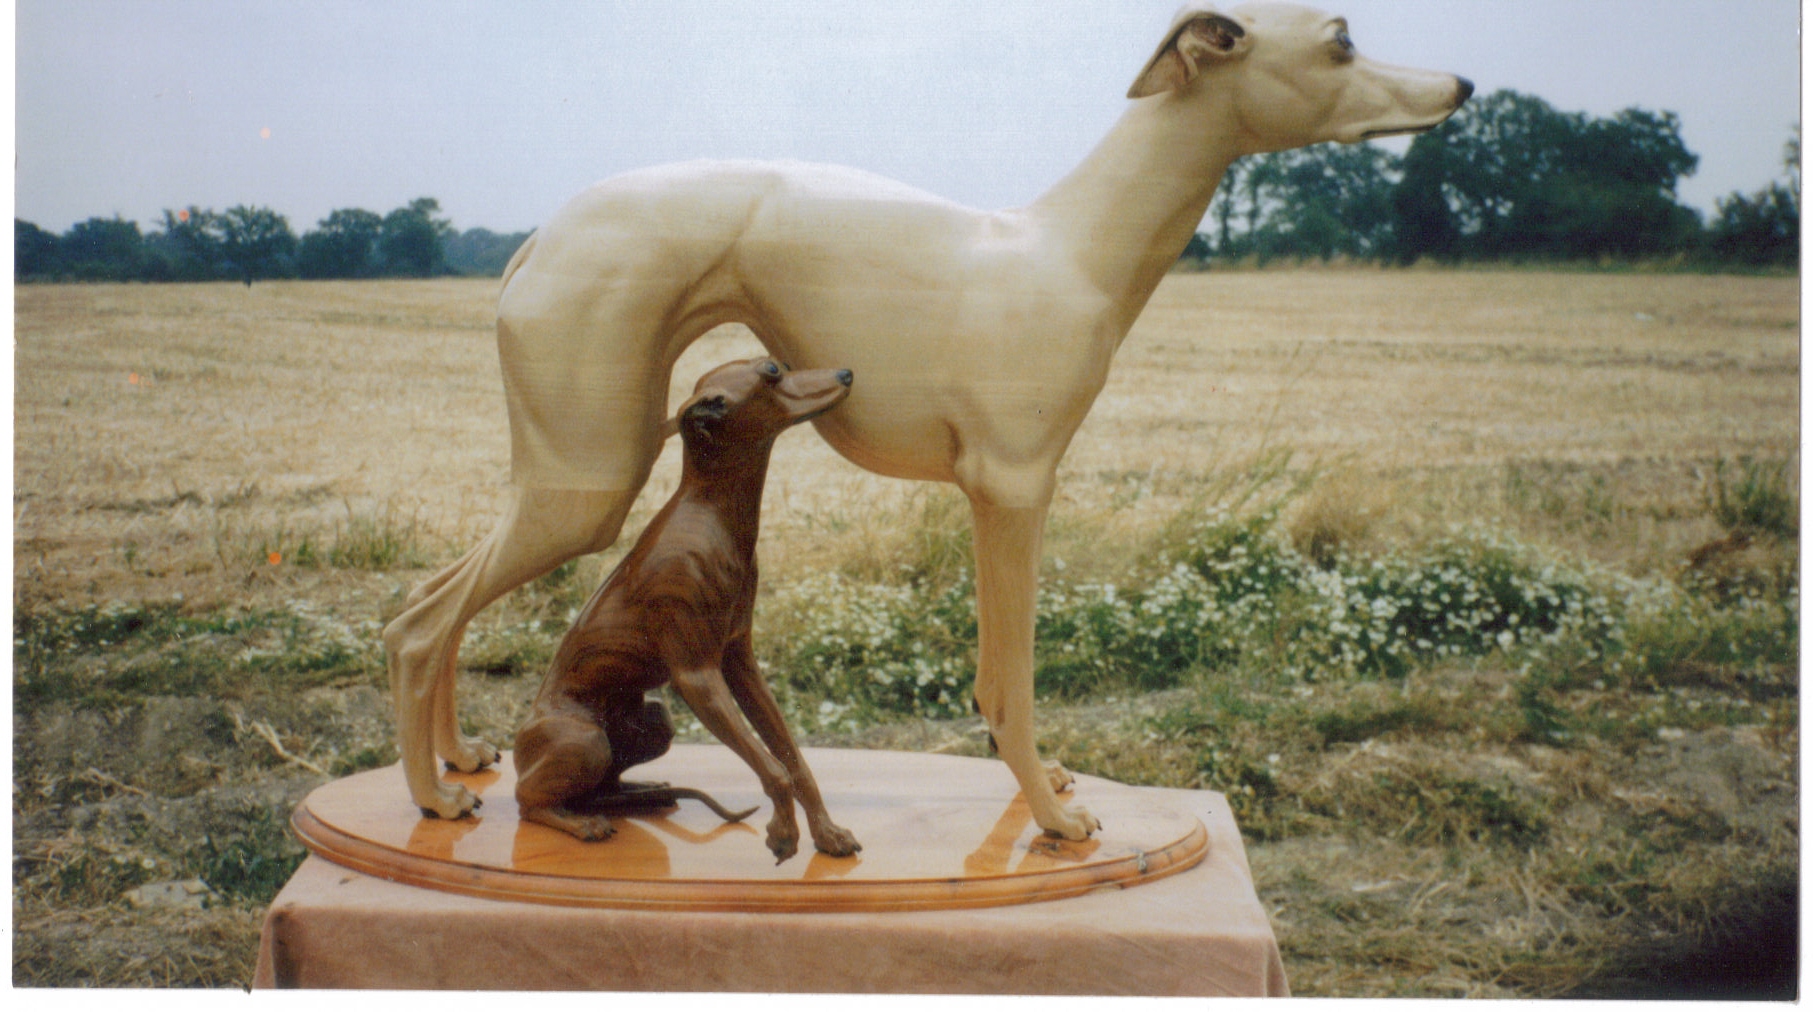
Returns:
<point x="1754" y="496"/>
<point x="112" y="654"/>
<point x="373" y="540"/>
<point x="1225" y="590"/>
<point x="252" y="860"/>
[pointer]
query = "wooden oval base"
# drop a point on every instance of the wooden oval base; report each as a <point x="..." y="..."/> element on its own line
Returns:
<point x="937" y="832"/>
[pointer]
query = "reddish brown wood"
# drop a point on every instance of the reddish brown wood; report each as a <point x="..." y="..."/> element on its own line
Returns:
<point x="937" y="836"/>
<point x="678" y="610"/>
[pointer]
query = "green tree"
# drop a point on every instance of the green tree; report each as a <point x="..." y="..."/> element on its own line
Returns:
<point x="104" y="249"/>
<point x="1426" y="222"/>
<point x="37" y="253"/>
<point x="256" y="242"/>
<point x="1221" y="209"/>
<point x="481" y="252"/>
<point x="1761" y="229"/>
<point x="1509" y="176"/>
<point x="189" y="247"/>
<point x="344" y="245"/>
<point x="410" y="240"/>
<point x="1330" y="200"/>
<point x="1325" y="201"/>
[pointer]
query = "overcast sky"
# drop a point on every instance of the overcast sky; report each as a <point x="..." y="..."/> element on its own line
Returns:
<point x="503" y="110"/>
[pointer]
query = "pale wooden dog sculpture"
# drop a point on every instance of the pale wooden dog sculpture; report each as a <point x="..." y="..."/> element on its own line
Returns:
<point x="677" y="610"/>
<point x="982" y="338"/>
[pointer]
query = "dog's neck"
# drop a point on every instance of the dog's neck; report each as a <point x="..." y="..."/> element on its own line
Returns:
<point x="1128" y="210"/>
<point x="728" y="482"/>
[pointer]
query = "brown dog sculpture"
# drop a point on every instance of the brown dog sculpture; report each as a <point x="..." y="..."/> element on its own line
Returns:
<point x="677" y="610"/>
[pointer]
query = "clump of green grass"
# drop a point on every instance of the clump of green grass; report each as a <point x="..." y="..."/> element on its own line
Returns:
<point x="1755" y="497"/>
<point x="103" y="655"/>
<point x="250" y="857"/>
<point x="924" y="541"/>
<point x="379" y="541"/>
<point x="369" y="757"/>
<point x="372" y="540"/>
<point x="512" y="650"/>
<point x="1432" y="807"/>
<point x="1364" y="720"/>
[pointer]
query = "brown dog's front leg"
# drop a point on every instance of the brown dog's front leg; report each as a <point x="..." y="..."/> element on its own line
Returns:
<point x="705" y="692"/>
<point x="744" y="677"/>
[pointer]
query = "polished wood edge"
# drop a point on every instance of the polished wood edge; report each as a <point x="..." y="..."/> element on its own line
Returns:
<point x="744" y="896"/>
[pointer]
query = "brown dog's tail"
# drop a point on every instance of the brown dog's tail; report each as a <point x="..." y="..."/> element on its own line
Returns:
<point x="723" y="813"/>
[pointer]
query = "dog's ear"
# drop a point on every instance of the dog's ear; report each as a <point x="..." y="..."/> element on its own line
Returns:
<point x="1197" y="36"/>
<point x="700" y="416"/>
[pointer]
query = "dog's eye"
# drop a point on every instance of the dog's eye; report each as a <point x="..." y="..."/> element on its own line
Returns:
<point x="1344" y="43"/>
<point x="770" y="371"/>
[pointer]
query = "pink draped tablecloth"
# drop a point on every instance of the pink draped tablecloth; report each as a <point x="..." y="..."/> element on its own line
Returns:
<point x="1201" y="932"/>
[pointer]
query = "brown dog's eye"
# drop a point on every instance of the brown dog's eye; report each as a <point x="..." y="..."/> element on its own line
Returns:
<point x="770" y="371"/>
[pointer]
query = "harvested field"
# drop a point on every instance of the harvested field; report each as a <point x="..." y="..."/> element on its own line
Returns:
<point x="221" y="492"/>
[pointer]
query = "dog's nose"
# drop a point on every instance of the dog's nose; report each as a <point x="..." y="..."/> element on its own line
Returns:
<point x="845" y="376"/>
<point x="1463" y="90"/>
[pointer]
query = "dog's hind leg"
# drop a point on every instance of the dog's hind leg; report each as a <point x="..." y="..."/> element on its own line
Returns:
<point x="1007" y="542"/>
<point x="543" y="528"/>
<point x="561" y="756"/>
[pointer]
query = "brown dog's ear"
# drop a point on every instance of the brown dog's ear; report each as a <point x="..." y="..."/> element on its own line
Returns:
<point x="698" y="416"/>
<point x="1197" y="36"/>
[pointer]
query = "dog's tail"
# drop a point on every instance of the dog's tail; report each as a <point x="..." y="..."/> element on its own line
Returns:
<point x="516" y="259"/>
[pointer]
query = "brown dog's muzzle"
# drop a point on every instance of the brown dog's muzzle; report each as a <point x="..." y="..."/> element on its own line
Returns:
<point x="812" y="392"/>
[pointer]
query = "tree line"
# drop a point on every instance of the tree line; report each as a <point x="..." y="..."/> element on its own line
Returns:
<point x="255" y="243"/>
<point x="1508" y="178"/>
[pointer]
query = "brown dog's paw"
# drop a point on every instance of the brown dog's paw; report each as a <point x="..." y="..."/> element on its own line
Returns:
<point x="783" y="839"/>
<point x="593" y="827"/>
<point x="835" y="840"/>
<point x="589" y="828"/>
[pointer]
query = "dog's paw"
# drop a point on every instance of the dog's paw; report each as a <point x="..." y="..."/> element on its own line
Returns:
<point x="1059" y="776"/>
<point x="587" y="827"/>
<point x="783" y="839"/>
<point x="591" y="828"/>
<point x="450" y="801"/>
<point x="1072" y="822"/>
<point x="835" y="840"/>
<point x="471" y="755"/>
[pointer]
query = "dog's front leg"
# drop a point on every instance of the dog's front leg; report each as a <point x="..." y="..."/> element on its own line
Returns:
<point x="459" y="750"/>
<point x="744" y="676"/>
<point x="706" y="693"/>
<point x="1007" y="541"/>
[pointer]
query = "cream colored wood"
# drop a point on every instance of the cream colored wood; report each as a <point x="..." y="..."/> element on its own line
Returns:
<point x="979" y="340"/>
<point x="941" y="832"/>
